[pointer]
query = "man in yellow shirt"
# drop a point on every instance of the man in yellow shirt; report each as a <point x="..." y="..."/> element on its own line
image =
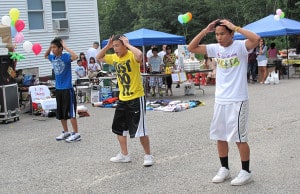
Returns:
<point x="129" y="116"/>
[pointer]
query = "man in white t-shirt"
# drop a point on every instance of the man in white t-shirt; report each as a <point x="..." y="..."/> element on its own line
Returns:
<point x="149" y="52"/>
<point x="229" y="123"/>
<point x="92" y="52"/>
<point x="163" y="51"/>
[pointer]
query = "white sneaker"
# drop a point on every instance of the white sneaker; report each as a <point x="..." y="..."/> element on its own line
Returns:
<point x="63" y="136"/>
<point x="120" y="158"/>
<point x="148" y="160"/>
<point x="243" y="177"/>
<point x="222" y="175"/>
<point x="73" y="137"/>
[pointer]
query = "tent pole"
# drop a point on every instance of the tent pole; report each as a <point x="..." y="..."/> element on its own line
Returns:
<point x="287" y="55"/>
<point x="287" y="48"/>
<point x="144" y="63"/>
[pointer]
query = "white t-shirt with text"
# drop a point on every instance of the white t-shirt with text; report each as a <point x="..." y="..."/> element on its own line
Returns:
<point x="231" y="73"/>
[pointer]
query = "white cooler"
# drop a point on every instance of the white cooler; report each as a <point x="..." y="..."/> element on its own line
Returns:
<point x="189" y="88"/>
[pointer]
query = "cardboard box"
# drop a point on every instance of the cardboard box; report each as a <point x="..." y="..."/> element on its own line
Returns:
<point x="5" y="35"/>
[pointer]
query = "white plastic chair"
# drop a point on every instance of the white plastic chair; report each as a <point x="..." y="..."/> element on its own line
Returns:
<point x="41" y="100"/>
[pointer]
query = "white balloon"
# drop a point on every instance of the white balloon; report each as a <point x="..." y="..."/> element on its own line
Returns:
<point x="5" y="20"/>
<point x="276" y="17"/>
<point x="27" y="46"/>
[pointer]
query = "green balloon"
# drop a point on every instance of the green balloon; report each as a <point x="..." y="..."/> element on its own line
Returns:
<point x="12" y="23"/>
<point x="185" y="18"/>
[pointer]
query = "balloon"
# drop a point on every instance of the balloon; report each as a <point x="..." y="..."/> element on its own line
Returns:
<point x="180" y="19"/>
<point x="16" y="56"/>
<point x="20" y="25"/>
<point x="282" y="15"/>
<point x="27" y="46"/>
<point x="13" y="31"/>
<point x="189" y="16"/>
<point x="14" y="14"/>
<point x="19" y="37"/>
<point x="185" y="18"/>
<point x="36" y="48"/>
<point x="5" y="20"/>
<point x="278" y="11"/>
<point x="13" y="23"/>
<point x="276" y="17"/>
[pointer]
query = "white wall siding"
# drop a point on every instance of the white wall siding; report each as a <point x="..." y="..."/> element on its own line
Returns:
<point x="83" y="30"/>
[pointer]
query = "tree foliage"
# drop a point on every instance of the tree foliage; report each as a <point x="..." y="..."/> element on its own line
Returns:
<point x="122" y="16"/>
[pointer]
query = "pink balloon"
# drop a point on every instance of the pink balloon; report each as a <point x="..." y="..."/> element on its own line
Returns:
<point x="19" y="37"/>
<point x="36" y="48"/>
<point x="19" y="25"/>
<point x="278" y="11"/>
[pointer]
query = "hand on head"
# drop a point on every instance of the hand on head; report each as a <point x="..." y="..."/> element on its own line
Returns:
<point x="211" y="26"/>
<point x="63" y="43"/>
<point x="110" y="41"/>
<point x="227" y="23"/>
<point x="124" y="39"/>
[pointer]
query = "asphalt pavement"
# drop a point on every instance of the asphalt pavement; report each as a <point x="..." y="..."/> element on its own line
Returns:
<point x="32" y="161"/>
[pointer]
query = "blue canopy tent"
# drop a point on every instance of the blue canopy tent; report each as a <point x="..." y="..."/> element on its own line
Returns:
<point x="144" y="37"/>
<point x="268" y="26"/>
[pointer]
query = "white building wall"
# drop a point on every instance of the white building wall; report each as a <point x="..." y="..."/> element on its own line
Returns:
<point x="83" y="30"/>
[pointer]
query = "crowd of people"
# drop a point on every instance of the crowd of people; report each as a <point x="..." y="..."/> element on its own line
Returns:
<point x="87" y="65"/>
<point x="167" y="57"/>
<point x="258" y="61"/>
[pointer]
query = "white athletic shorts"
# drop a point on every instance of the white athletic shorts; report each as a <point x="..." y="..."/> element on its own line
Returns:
<point x="230" y="122"/>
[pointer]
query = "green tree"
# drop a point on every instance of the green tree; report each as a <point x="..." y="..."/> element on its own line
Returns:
<point x="115" y="17"/>
<point x="121" y="16"/>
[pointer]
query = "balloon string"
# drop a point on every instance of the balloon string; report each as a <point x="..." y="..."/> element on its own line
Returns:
<point x="184" y="28"/>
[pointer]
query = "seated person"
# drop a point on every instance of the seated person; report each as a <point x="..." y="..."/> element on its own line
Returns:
<point x="210" y="63"/>
<point x="93" y="68"/>
<point x="155" y="66"/>
<point x="79" y="70"/>
<point x="19" y="77"/>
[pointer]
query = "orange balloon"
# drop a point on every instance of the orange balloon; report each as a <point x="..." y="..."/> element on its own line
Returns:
<point x="189" y="16"/>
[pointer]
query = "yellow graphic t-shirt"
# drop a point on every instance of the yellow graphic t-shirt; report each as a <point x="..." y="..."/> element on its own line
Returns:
<point x="128" y="75"/>
<point x="169" y="62"/>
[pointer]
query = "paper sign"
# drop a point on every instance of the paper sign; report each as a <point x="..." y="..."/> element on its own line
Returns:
<point x="181" y="76"/>
<point x="175" y="77"/>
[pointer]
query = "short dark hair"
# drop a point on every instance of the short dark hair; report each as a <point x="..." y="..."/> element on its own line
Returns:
<point x="97" y="43"/>
<point x="117" y="37"/>
<point x="155" y="49"/>
<point x="219" y="23"/>
<point x="92" y="58"/>
<point x="79" y="60"/>
<point x="168" y="47"/>
<point x="57" y="41"/>
<point x="272" y="45"/>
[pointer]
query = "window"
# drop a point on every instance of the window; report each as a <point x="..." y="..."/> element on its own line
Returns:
<point x="58" y="9"/>
<point x="35" y="14"/>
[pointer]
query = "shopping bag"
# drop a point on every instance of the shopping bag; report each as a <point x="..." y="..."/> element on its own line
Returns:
<point x="28" y="80"/>
<point x="275" y="77"/>
<point x="269" y="79"/>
